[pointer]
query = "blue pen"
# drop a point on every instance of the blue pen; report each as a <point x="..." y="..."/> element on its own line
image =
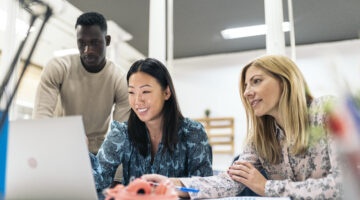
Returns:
<point x="183" y="189"/>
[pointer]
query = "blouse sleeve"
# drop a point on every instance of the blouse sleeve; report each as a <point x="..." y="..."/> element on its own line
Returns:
<point x="199" y="151"/>
<point x="220" y="185"/>
<point x="328" y="187"/>
<point x="110" y="155"/>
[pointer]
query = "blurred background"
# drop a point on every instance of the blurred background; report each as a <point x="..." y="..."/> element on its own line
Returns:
<point x="205" y="66"/>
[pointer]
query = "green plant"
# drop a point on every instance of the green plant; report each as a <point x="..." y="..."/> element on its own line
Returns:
<point x="207" y="112"/>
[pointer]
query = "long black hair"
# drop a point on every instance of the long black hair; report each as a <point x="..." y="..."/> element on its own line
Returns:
<point x="172" y="116"/>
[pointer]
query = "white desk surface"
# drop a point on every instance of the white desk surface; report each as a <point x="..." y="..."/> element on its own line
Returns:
<point x="253" y="198"/>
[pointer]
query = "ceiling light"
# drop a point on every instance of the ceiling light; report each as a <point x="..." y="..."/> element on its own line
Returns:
<point x="248" y="31"/>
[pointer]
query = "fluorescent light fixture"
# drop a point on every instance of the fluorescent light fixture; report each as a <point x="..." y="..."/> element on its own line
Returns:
<point x="65" y="52"/>
<point x="249" y="31"/>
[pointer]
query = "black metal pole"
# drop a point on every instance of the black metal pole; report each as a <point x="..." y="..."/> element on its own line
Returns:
<point x="47" y="16"/>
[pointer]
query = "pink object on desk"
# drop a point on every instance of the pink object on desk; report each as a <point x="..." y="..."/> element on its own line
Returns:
<point x="141" y="190"/>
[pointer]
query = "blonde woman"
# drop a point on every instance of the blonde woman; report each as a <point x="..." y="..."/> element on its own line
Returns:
<point x="287" y="139"/>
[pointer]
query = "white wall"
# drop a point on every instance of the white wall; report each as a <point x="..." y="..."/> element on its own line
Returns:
<point x="212" y="81"/>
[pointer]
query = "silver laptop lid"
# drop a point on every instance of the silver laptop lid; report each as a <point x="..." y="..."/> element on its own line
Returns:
<point x="48" y="159"/>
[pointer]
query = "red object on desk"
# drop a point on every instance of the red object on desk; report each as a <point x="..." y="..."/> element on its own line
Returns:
<point x="140" y="189"/>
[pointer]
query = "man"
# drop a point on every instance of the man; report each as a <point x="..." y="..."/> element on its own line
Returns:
<point x="88" y="85"/>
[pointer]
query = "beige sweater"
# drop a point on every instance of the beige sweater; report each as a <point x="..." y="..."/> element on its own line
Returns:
<point x="91" y="95"/>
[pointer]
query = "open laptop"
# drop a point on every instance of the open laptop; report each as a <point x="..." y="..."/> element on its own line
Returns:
<point x="48" y="159"/>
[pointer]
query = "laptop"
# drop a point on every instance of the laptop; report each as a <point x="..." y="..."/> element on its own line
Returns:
<point x="48" y="159"/>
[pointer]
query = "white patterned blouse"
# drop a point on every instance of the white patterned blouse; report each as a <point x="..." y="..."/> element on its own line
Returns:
<point x="313" y="175"/>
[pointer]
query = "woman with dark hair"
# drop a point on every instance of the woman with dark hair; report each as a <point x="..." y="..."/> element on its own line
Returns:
<point x="156" y="138"/>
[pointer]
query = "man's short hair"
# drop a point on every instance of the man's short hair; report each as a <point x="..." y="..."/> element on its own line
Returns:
<point x="92" y="18"/>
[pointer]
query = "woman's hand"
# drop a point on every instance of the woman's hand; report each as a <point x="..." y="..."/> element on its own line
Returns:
<point x="156" y="178"/>
<point x="247" y="174"/>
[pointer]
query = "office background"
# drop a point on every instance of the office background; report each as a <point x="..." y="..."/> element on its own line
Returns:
<point x="202" y="82"/>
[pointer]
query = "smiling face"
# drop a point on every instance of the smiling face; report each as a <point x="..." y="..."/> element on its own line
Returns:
<point x="262" y="91"/>
<point x="147" y="97"/>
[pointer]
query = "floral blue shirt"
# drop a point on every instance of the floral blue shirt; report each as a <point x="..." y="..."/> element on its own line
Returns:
<point x="192" y="155"/>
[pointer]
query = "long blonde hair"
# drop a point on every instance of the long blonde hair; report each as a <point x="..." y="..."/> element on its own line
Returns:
<point x="293" y="107"/>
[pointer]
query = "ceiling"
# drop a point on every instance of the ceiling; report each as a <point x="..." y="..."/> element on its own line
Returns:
<point x="197" y="23"/>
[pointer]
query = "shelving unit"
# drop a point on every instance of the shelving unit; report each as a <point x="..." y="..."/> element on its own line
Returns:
<point x="220" y="132"/>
